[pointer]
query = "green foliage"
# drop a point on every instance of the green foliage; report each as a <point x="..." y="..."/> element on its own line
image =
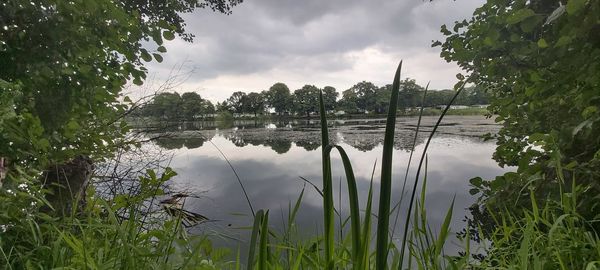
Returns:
<point x="410" y="94"/>
<point x="109" y="234"/>
<point x="191" y="105"/>
<point x="279" y="98"/>
<point x="66" y="63"/>
<point x="539" y="61"/>
<point x="330" y="96"/>
<point x="175" y="107"/>
<point x="306" y="99"/>
<point x="550" y="234"/>
<point x="237" y="102"/>
<point x="254" y="103"/>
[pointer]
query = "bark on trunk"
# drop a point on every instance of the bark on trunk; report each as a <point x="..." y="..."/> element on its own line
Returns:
<point x="67" y="184"/>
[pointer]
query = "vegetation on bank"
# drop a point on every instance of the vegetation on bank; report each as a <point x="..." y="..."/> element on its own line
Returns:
<point x="362" y="99"/>
<point x="539" y="61"/>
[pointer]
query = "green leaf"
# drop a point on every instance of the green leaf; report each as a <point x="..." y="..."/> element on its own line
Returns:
<point x="476" y="181"/>
<point x="520" y="15"/>
<point x="161" y="49"/>
<point x="542" y="43"/>
<point x="562" y="41"/>
<point x="145" y="55"/>
<point x="531" y="23"/>
<point x="168" y="35"/>
<point x="589" y="111"/>
<point x="158" y="57"/>
<point x="137" y="81"/>
<point x="573" y="6"/>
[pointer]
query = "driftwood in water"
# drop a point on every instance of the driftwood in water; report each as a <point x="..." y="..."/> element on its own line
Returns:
<point x="67" y="183"/>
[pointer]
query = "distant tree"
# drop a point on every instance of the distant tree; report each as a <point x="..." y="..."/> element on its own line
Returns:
<point x="330" y="96"/>
<point x="279" y="98"/>
<point x="224" y="106"/>
<point x="306" y="100"/>
<point x="382" y="98"/>
<point x="436" y="98"/>
<point x="477" y="95"/>
<point x="237" y="101"/>
<point x="191" y="105"/>
<point x="349" y="101"/>
<point x="365" y="95"/>
<point x="410" y="94"/>
<point x="166" y="105"/>
<point x="207" y="107"/>
<point x="255" y="103"/>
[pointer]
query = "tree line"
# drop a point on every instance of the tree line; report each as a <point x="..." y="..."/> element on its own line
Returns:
<point x="363" y="97"/>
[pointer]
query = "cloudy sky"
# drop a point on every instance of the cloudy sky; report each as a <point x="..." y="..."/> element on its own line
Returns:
<point x="333" y="42"/>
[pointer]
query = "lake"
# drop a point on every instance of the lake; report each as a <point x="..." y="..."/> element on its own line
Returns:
<point x="271" y="157"/>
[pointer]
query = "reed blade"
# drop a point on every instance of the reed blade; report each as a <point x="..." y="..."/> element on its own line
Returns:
<point x="353" y="201"/>
<point x="328" y="212"/>
<point x="410" y="157"/>
<point x="263" y="254"/>
<point x="253" y="239"/>
<point x="366" y="233"/>
<point x="416" y="182"/>
<point x="385" y="191"/>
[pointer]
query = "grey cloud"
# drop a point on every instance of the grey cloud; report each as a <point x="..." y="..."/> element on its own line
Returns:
<point x="262" y="35"/>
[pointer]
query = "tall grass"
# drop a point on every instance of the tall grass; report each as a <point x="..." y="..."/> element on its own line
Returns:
<point x="358" y="253"/>
<point x="107" y="234"/>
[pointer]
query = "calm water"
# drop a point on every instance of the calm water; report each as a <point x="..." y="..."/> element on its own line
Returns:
<point x="270" y="158"/>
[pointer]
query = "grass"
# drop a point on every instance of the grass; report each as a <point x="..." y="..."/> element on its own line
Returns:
<point x="358" y="253"/>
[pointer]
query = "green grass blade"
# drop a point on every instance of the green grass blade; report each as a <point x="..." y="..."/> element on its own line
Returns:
<point x="383" y="222"/>
<point x="292" y="216"/>
<point x="366" y="233"/>
<point x="353" y="201"/>
<point x="412" y="151"/>
<point x="298" y="261"/>
<point x="253" y="239"/>
<point x="439" y="244"/>
<point x="328" y="216"/>
<point x="263" y="254"/>
<point x="412" y="196"/>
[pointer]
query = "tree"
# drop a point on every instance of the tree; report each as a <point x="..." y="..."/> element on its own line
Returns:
<point x="279" y="98"/>
<point x="255" y="102"/>
<point x="207" y="107"/>
<point x="306" y="100"/>
<point x="225" y="107"/>
<point x="410" y="94"/>
<point x="382" y="98"/>
<point x="236" y="101"/>
<point x="539" y="61"/>
<point x="349" y="101"/>
<point x="191" y="104"/>
<point x="67" y="63"/>
<point x="330" y="96"/>
<point x="364" y="94"/>
<point x="166" y="105"/>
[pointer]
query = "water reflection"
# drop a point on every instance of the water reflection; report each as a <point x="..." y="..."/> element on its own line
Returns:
<point x="270" y="161"/>
<point x="363" y="135"/>
<point x="176" y="143"/>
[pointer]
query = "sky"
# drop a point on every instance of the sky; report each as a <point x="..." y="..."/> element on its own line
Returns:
<point x="324" y="43"/>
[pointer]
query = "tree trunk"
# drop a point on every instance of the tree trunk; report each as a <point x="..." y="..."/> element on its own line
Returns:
<point x="67" y="184"/>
